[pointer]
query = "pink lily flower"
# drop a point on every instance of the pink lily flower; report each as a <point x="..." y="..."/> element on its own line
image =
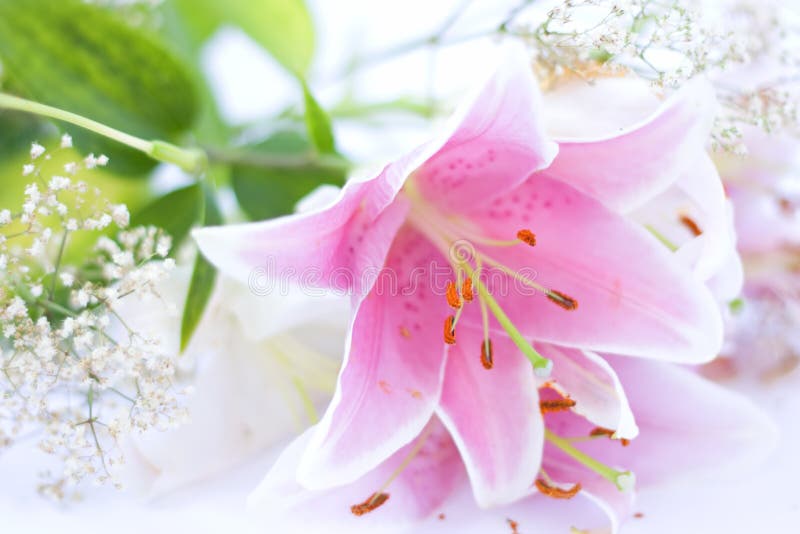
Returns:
<point x="437" y="251"/>
<point x="688" y="425"/>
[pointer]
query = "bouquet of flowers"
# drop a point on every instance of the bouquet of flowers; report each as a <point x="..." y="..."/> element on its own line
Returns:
<point x="523" y="266"/>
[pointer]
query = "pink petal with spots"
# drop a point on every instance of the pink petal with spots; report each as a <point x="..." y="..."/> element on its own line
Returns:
<point x="328" y="248"/>
<point x="430" y="470"/>
<point x="588" y="380"/>
<point x="497" y="141"/>
<point x="627" y="166"/>
<point x="392" y="374"/>
<point x="493" y="417"/>
<point x="492" y="144"/>
<point x="633" y="296"/>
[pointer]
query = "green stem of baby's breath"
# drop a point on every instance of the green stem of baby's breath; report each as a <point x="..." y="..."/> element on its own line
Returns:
<point x="61" y="247"/>
<point x="189" y="159"/>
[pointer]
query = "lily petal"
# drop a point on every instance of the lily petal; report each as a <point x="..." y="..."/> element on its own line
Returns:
<point x="328" y="248"/>
<point x="616" y="505"/>
<point x="431" y="471"/>
<point x="688" y="426"/>
<point x="695" y="214"/>
<point x="534" y="514"/>
<point x="628" y="166"/>
<point x="761" y="224"/>
<point x="392" y="375"/>
<point x="588" y="379"/>
<point x="717" y="428"/>
<point x="493" y="418"/>
<point x="633" y="296"/>
<point x="497" y="141"/>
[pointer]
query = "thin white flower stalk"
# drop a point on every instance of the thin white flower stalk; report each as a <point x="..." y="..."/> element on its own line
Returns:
<point x="65" y="380"/>
<point x="671" y="41"/>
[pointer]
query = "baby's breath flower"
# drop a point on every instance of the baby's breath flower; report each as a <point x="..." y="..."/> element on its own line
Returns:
<point x="67" y="279"/>
<point x="36" y="150"/>
<point x="669" y="42"/>
<point x="70" y="368"/>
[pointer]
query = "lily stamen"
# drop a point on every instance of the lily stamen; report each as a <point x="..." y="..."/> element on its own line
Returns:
<point x="623" y="480"/>
<point x="600" y="431"/>
<point x="541" y="365"/>
<point x="691" y="225"/>
<point x="379" y="497"/>
<point x="527" y="237"/>
<point x="466" y="290"/>
<point x="374" y="501"/>
<point x="437" y="231"/>
<point x="555" y="492"/>
<point x="453" y="298"/>
<point x="556" y="405"/>
<point x="486" y="354"/>
<point x="450" y="330"/>
<point x="559" y="298"/>
<point x="563" y="300"/>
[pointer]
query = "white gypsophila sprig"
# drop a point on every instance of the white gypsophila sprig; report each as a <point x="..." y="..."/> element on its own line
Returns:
<point x="665" y="41"/>
<point x="671" y="41"/>
<point x="73" y="373"/>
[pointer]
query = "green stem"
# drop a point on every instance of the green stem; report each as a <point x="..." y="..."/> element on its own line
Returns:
<point x="189" y="159"/>
<point x="56" y="308"/>
<point x="246" y="158"/>
<point x="58" y="264"/>
<point x="623" y="480"/>
<point x="541" y="365"/>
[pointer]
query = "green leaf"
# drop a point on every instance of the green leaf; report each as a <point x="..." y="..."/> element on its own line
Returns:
<point x="204" y="276"/>
<point x="318" y="124"/>
<point x="282" y="27"/>
<point x="82" y="58"/>
<point x="18" y="130"/>
<point x="176" y="212"/>
<point x="185" y="28"/>
<point x="264" y="193"/>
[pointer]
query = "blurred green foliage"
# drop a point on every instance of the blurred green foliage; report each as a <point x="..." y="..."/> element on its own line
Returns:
<point x="264" y="193"/>
<point x="138" y="70"/>
<point x="83" y="59"/>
